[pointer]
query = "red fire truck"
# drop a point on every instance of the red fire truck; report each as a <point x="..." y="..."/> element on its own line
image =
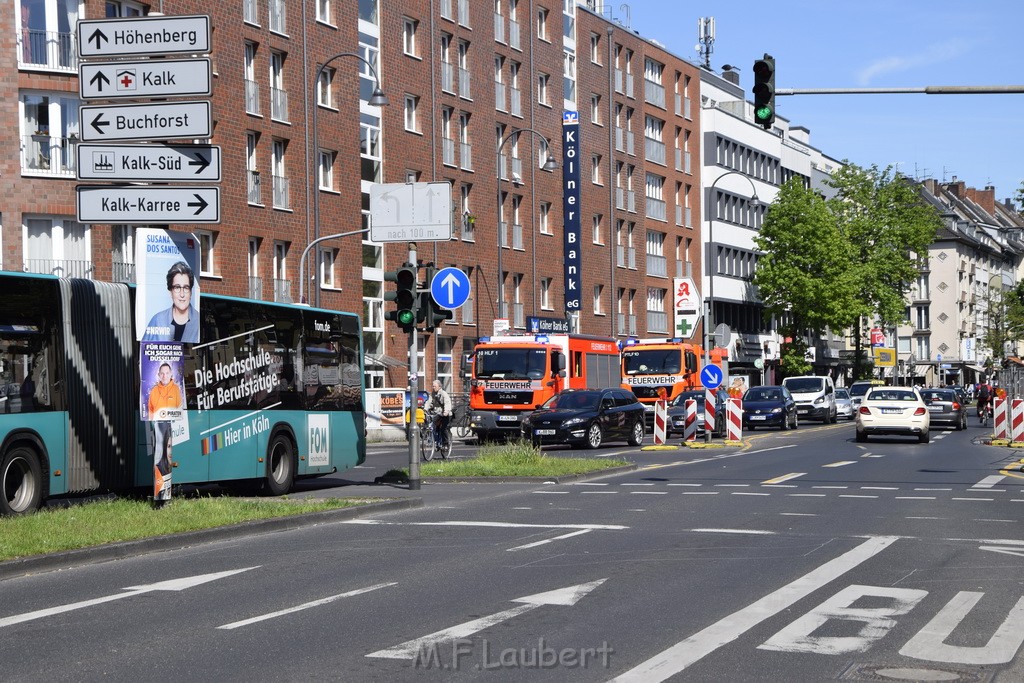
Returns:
<point x="664" y="368"/>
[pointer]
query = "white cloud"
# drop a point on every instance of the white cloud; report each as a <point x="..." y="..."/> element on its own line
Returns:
<point x="934" y="54"/>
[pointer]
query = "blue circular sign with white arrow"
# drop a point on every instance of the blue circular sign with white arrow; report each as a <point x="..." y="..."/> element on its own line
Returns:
<point x="711" y="376"/>
<point x="450" y="288"/>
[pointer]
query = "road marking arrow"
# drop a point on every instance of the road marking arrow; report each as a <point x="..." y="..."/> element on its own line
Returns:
<point x="567" y="596"/>
<point x="172" y="585"/>
<point x="1019" y="552"/>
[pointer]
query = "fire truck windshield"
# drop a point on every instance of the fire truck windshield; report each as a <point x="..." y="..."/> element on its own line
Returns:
<point x="651" y="361"/>
<point x="499" y="363"/>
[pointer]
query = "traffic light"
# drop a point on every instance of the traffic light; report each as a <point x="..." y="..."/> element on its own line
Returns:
<point x="434" y="314"/>
<point x="764" y="91"/>
<point x="404" y="296"/>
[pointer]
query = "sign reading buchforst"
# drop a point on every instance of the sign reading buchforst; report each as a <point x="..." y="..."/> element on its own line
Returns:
<point x="159" y="121"/>
<point x="153" y="204"/>
<point x="147" y="78"/>
<point x="110" y="161"/>
<point x="123" y="37"/>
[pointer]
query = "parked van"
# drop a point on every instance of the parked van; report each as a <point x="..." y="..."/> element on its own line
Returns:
<point x="815" y="397"/>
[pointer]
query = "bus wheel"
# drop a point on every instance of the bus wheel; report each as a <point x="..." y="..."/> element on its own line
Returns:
<point x="21" y="481"/>
<point x="280" y="466"/>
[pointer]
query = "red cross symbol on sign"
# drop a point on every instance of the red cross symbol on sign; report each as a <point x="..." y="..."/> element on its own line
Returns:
<point x="126" y="79"/>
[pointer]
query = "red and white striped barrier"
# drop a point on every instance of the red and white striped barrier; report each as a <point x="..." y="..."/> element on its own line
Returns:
<point x="690" y="427"/>
<point x="1000" y="418"/>
<point x="660" y="420"/>
<point x="710" y="405"/>
<point x="734" y="419"/>
<point x="1017" y="419"/>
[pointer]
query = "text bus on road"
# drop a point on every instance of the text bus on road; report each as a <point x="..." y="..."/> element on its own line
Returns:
<point x="273" y="393"/>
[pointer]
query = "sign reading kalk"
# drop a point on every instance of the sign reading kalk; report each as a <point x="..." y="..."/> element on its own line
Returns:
<point x="157" y="78"/>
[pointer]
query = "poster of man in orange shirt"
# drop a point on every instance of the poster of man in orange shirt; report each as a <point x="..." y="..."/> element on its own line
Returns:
<point x="163" y="390"/>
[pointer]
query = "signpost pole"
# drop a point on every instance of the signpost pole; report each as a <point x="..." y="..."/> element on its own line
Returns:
<point x="414" y="392"/>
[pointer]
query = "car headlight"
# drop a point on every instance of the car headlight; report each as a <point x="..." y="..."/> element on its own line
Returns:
<point x="818" y="401"/>
<point x="574" y="421"/>
<point x="776" y="411"/>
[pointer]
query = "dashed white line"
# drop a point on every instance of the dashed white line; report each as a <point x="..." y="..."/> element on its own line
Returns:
<point x="552" y="493"/>
<point x="798" y="514"/>
<point x="755" y="532"/>
<point x="584" y="493"/>
<point x="879" y="488"/>
<point x="978" y="499"/>
<point x="855" y="495"/>
<point x="923" y="489"/>
<point x="649" y="493"/>
<point x="733" y="485"/>
<point x="749" y="493"/>
<point x="806" y="495"/>
<point x="549" y="540"/>
<point x="784" y="477"/>
<point x="915" y="497"/>
<point x="830" y="487"/>
<point x="700" y="493"/>
<point x="841" y="463"/>
<point x="305" y="606"/>
<point x="638" y="484"/>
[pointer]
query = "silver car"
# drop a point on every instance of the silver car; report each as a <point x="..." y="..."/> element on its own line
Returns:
<point x="844" y="404"/>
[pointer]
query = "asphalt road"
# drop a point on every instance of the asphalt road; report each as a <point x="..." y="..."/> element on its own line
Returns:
<point x="802" y="557"/>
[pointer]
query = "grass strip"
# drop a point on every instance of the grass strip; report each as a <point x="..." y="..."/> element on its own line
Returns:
<point x="516" y="459"/>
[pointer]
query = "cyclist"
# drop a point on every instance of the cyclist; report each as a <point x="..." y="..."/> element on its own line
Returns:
<point x="440" y="403"/>
<point x="984" y="399"/>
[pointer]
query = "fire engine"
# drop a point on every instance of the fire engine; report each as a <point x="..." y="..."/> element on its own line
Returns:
<point x="664" y="368"/>
<point x="514" y="374"/>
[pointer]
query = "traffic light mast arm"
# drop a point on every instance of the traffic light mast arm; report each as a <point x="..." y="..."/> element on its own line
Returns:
<point x="926" y="90"/>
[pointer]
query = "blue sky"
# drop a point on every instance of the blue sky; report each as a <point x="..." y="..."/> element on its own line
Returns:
<point x="871" y="44"/>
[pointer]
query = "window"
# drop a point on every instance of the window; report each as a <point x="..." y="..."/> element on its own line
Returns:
<point x="595" y="48"/>
<point x="57" y="246"/>
<point x="542" y="24"/>
<point x="543" y="220"/>
<point x="114" y="8"/>
<point x="278" y="93"/>
<point x="469" y="220"/>
<point x="328" y="257"/>
<point x="545" y="294"/>
<point x="46" y="38"/>
<point x="411" y="122"/>
<point x="323" y="88"/>
<point x="542" y="89"/>
<point x="409" y="27"/>
<point x="252" y="169"/>
<point x="569" y="76"/>
<point x="597" y="230"/>
<point x="598" y="306"/>
<point x="369" y="148"/>
<point x="123" y="254"/>
<point x="207" y="251"/>
<point x="326" y="174"/>
<point x="253" y="268"/>
<point x="323" y="11"/>
<point x="282" y="285"/>
<point x="595" y="169"/>
<point x="595" y="109"/>
<point x="280" y="180"/>
<point x="278" y="16"/>
<point x="49" y="127"/>
<point x="252" y="88"/>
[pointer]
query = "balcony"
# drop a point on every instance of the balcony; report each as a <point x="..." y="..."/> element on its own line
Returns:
<point x="503" y="234"/>
<point x="517" y="102"/>
<point x="657" y="265"/>
<point x="518" y="316"/>
<point x="252" y="97"/>
<point x="448" y="77"/>
<point x="253" y="188"/>
<point x="499" y="28"/>
<point x="517" y="236"/>
<point x="620" y="198"/>
<point x="283" y="291"/>
<point x="282" y="198"/>
<point x="654" y="150"/>
<point x="47" y="50"/>
<point x="279" y="104"/>
<point x="657" y="322"/>
<point x="43" y="155"/>
<point x="59" y="267"/>
<point x="448" y="151"/>
<point x="656" y="209"/>
<point x="277" y="17"/>
<point x="467" y="312"/>
<point x="123" y="271"/>
<point x="464" y="80"/>
<point x="684" y="269"/>
<point x="514" y="36"/>
<point x="255" y="287"/>
<point x="626" y="325"/>
<point x="251" y="12"/>
<point x="500" y="97"/>
<point x="466" y="155"/>
<point x="654" y="93"/>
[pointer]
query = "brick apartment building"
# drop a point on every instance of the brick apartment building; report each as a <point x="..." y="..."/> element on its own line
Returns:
<point x="463" y="77"/>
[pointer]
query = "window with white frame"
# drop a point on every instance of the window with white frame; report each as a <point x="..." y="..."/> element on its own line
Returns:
<point x="542" y="89"/>
<point x="544" y="218"/>
<point x="468" y="219"/>
<point x="46" y="37"/>
<point x="543" y="152"/>
<point x="207" y="251"/>
<point x="595" y="109"/>
<point x="49" y="127"/>
<point x="598" y="304"/>
<point x="252" y="168"/>
<point x="595" y="169"/>
<point x="323" y="88"/>
<point x="370" y="147"/>
<point x="545" y="294"/>
<point x="328" y="257"/>
<point x="569" y="76"/>
<point x="655" y="300"/>
<point x="595" y="48"/>
<point x="411" y="105"/>
<point x="597" y="233"/>
<point x="278" y="91"/>
<point x="542" y="24"/>
<point x="655" y="243"/>
<point x="323" y="11"/>
<point x="278" y="173"/>
<point x="57" y="246"/>
<point x="409" y="27"/>
<point x="253" y="262"/>
<point x="654" y="186"/>
<point x="326" y="174"/>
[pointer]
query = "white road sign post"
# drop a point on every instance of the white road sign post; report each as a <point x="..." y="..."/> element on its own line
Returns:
<point x="158" y="121"/>
<point x="148" y="204"/>
<point x="143" y="36"/>
<point x="410" y="212"/>
<point x="161" y="163"/>
<point x="156" y="78"/>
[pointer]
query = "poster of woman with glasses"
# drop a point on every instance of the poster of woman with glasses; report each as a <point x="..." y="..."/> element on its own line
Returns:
<point x="165" y="266"/>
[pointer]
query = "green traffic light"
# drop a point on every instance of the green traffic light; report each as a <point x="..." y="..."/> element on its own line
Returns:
<point x="406" y="317"/>
<point x="763" y="113"/>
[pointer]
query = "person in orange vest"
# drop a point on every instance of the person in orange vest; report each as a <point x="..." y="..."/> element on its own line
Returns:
<point x="164" y="394"/>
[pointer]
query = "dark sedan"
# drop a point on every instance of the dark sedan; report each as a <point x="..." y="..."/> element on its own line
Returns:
<point x="946" y="407"/>
<point x="769" y="407"/>
<point x="677" y="413"/>
<point x="587" y="416"/>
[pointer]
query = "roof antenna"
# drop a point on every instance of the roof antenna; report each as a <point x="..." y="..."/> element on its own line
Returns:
<point x="706" y="38"/>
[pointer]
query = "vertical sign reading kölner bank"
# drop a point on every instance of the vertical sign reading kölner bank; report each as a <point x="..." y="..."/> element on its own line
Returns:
<point x="571" y="209"/>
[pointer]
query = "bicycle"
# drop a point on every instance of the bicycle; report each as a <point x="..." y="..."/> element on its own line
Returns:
<point x="430" y="439"/>
<point x="985" y="414"/>
<point x="459" y="425"/>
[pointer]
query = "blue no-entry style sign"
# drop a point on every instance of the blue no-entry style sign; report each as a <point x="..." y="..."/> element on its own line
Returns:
<point x="711" y="376"/>
<point x="450" y="288"/>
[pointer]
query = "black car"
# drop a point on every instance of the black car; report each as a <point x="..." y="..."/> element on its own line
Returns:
<point x="677" y="412"/>
<point x="587" y="416"/>
<point x="769" y="407"/>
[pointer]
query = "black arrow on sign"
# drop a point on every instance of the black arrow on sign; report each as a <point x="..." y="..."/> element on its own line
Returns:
<point x="102" y="78"/>
<point x="202" y="204"/>
<point x="97" y="36"/>
<point x="202" y="163"/>
<point x="98" y="124"/>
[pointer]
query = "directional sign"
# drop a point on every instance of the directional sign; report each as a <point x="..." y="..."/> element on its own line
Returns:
<point x="160" y="121"/>
<point x="450" y="287"/>
<point x="711" y="376"/>
<point x="140" y="162"/>
<point x="407" y="212"/>
<point x="156" y="78"/>
<point x="143" y="36"/>
<point x="148" y="204"/>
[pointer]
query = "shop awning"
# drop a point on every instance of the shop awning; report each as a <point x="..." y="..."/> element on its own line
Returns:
<point x="386" y="361"/>
<point x="922" y="369"/>
<point x="976" y="368"/>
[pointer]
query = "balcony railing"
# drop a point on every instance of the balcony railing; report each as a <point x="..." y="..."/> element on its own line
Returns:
<point x="514" y="40"/>
<point x="625" y="257"/>
<point x="466" y="156"/>
<point x="446" y="10"/>
<point x="620" y="139"/>
<point x="448" y="151"/>
<point x="519" y="316"/>
<point x="464" y="81"/>
<point x="278" y="104"/>
<point x="283" y="291"/>
<point x="123" y="271"/>
<point x="517" y="102"/>
<point x="499" y="96"/>
<point x="654" y="93"/>
<point x="281" y="195"/>
<point x="464" y="13"/>
<point x="679" y="215"/>
<point x="517" y="236"/>
<point x="657" y="265"/>
<point x="657" y="321"/>
<point x="503" y="166"/>
<point x="656" y="209"/>
<point x="499" y="28"/>
<point x="620" y="198"/>
<point x="631" y="201"/>
<point x="502" y="234"/>
<point x="43" y="155"/>
<point x="252" y="97"/>
<point x="47" y="49"/>
<point x="251" y="12"/>
<point x="448" y="77"/>
<point x="684" y="269"/>
<point x="59" y="267"/>
<point x="277" y="17"/>
<point x="654" y="150"/>
<point x="255" y="287"/>
<point x="626" y="324"/>
<point x="253" y="187"/>
<point x="517" y="168"/>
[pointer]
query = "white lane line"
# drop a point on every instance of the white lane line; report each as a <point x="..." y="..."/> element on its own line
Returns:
<point x="1010" y="521"/>
<point x="922" y="489"/>
<point x="549" y="540"/>
<point x="686" y="484"/>
<point x="755" y="532"/>
<point x="584" y="493"/>
<point x="806" y="495"/>
<point x="588" y="483"/>
<point x="784" y="477"/>
<point x="684" y="653"/>
<point x="741" y="486"/>
<point x="637" y="484"/>
<point x="648" y="493"/>
<point x="305" y="606"/>
<point x="840" y="463"/>
<point x="854" y="495"/>
<point x="931" y="518"/>
<point x="498" y="525"/>
<point x="989" y="482"/>
<point x="879" y="488"/>
<point x="981" y="499"/>
<point x="700" y="493"/>
<point x="551" y="493"/>
<point x="915" y="497"/>
<point x="522" y="508"/>
<point x="830" y="487"/>
<point x="749" y="493"/>
<point x="798" y="514"/>
<point x="779" y="486"/>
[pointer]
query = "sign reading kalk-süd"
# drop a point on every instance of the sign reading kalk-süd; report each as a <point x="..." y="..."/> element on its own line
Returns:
<point x="143" y="36"/>
<point x="404" y="212"/>
<point x="159" y="121"/>
<point x="153" y="204"/>
<point x="200" y="163"/>
<point x="155" y="78"/>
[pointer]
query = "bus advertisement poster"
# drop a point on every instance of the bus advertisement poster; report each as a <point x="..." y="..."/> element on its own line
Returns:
<point x="159" y="441"/>
<point x="162" y="394"/>
<point x="167" y="305"/>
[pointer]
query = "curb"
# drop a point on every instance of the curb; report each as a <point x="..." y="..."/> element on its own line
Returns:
<point x="115" y="551"/>
<point x="531" y="480"/>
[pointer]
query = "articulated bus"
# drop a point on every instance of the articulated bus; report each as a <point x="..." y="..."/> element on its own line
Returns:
<point x="273" y="392"/>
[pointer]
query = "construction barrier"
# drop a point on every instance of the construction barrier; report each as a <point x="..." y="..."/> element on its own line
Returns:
<point x="710" y="405"/>
<point x="660" y="420"/>
<point x="1000" y="419"/>
<point x="734" y="419"/>
<point x="1017" y="419"/>
<point x="690" y="427"/>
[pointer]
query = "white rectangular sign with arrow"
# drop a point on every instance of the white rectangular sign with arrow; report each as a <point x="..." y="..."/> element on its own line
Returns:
<point x="155" y="78"/>
<point x="200" y="163"/>
<point x="404" y="212"/>
<point x="160" y="121"/>
<point x="152" y="204"/>
<point x="141" y="36"/>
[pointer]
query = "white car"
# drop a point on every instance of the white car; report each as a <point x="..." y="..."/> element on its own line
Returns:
<point x="893" y="410"/>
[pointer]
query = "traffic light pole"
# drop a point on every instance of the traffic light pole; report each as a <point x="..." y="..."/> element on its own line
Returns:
<point x="414" y="393"/>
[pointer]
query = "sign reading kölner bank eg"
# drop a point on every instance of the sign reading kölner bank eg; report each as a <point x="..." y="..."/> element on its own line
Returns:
<point x="123" y="37"/>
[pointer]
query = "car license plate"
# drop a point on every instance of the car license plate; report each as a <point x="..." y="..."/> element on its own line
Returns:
<point x="892" y="411"/>
<point x="935" y="409"/>
<point x="758" y="417"/>
<point x="507" y="418"/>
<point x="544" y="432"/>
<point x="803" y="409"/>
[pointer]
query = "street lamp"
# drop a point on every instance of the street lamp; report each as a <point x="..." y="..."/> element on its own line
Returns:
<point x="549" y="165"/>
<point x="377" y="99"/>
<point x="710" y="265"/>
